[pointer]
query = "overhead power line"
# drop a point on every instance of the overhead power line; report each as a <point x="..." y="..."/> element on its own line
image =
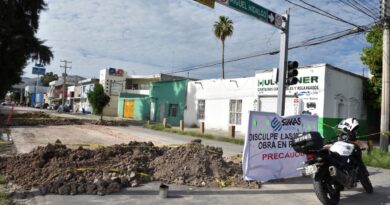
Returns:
<point x="355" y="6"/>
<point x="305" y="43"/>
<point x="321" y="12"/>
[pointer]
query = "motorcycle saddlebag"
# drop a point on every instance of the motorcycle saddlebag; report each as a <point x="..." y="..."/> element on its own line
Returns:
<point x="308" y="141"/>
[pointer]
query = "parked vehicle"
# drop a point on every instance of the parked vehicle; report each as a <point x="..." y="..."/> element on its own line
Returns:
<point x="336" y="166"/>
<point x="45" y="106"/>
<point x="64" y="108"/>
<point x="3" y="103"/>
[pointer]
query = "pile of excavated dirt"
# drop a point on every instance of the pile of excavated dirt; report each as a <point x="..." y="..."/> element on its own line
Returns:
<point x="44" y="119"/>
<point x="39" y="118"/>
<point x="60" y="170"/>
<point x="31" y="115"/>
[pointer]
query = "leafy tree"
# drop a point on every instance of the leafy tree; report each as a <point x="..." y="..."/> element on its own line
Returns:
<point x="18" y="25"/>
<point x="222" y="29"/>
<point x="48" y="77"/>
<point x="15" y="96"/>
<point x="98" y="99"/>
<point x="372" y="57"/>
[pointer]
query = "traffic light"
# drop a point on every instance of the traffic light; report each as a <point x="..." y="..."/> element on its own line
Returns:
<point x="292" y="72"/>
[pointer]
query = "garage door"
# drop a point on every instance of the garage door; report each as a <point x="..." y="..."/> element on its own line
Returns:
<point x="269" y="104"/>
<point x="128" y="109"/>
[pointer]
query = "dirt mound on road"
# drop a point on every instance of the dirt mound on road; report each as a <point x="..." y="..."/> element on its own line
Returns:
<point x="31" y="115"/>
<point x="60" y="170"/>
<point x="193" y="164"/>
<point x="39" y="118"/>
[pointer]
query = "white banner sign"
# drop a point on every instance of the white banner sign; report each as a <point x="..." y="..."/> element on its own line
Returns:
<point x="268" y="153"/>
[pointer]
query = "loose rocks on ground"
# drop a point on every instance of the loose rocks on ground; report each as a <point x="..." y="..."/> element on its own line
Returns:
<point x="60" y="170"/>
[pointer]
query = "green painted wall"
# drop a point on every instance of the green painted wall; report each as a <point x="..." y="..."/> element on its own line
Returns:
<point x="326" y="126"/>
<point x="163" y="94"/>
<point x="141" y="106"/>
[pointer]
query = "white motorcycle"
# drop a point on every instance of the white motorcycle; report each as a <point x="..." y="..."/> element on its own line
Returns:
<point x="335" y="166"/>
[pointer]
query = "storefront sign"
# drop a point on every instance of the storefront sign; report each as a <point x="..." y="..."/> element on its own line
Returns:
<point x="115" y="72"/>
<point x="309" y="90"/>
<point x="268" y="153"/>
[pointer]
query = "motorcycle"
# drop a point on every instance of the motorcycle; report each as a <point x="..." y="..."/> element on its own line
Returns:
<point x="335" y="166"/>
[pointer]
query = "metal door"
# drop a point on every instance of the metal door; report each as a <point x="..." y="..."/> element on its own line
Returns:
<point x="152" y="111"/>
<point x="162" y="111"/>
<point x="128" y="111"/>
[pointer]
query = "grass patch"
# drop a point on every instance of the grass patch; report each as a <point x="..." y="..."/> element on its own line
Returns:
<point x="4" y="200"/>
<point x="377" y="158"/>
<point x="160" y="127"/>
<point x="2" y="180"/>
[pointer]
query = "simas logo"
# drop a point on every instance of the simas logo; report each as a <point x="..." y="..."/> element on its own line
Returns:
<point x="291" y="121"/>
<point x="277" y="125"/>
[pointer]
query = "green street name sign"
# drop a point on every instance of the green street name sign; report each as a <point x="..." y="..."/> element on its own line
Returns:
<point x="255" y="10"/>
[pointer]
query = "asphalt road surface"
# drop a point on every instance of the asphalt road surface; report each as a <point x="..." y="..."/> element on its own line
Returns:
<point x="285" y="192"/>
<point x="295" y="191"/>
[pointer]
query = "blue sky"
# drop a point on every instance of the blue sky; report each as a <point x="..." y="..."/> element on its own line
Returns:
<point x="155" y="36"/>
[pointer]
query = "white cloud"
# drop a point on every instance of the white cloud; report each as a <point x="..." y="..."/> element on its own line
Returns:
<point x="156" y="36"/>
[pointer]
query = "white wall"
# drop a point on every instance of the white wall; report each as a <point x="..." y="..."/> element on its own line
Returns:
<point x="310" y="91"/>
<point x="140" y="92"/>
<point x="256" y="92"/>
<point x="217" y="94"/>
<point x="112" y="108"/>
<point x="343" y="88"/>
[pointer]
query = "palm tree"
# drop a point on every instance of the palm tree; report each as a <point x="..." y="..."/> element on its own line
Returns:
<point x="222" y="29"/>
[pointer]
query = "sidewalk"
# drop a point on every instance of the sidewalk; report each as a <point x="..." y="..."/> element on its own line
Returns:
<point x="215" y="132"/>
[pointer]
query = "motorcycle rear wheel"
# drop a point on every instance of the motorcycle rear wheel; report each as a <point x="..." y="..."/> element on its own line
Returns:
<point x="326" y="192"/>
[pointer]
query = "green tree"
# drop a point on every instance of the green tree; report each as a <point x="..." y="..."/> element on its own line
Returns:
<point x="222" y="29"/>
<point x="98" y="99"/>
<point x="15" y="96"/>
<point x="372" y="57"/>
<point x="19" y="22"/>
<point x="48" y="77"/>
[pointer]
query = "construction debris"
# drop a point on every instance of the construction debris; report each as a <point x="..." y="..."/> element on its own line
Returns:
<point x="60" y="170"/>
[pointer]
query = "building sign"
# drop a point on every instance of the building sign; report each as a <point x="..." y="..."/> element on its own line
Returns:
<point x="115" y="72"/>
<point x="309" y="89"/>
<point x="268" y="153"/>
<point x="38" y="70"/>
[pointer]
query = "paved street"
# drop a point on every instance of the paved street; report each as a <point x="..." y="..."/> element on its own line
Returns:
<point x="289" y="192"/>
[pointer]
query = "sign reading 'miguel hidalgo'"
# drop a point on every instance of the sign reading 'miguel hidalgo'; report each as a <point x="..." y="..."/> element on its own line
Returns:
<point x="255" y="10"/>
<point x="268" y="153"/>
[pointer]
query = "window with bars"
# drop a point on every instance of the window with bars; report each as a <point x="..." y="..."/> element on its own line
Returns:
<point x="173" y="110"/>
<point x="235" y="112"/>
<point x="201" y="109"/>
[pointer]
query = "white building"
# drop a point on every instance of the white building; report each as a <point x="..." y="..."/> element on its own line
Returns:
<point x="85" y="86"/>
<point x="323" y="90"/>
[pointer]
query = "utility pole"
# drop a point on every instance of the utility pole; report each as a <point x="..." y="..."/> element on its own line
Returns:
<point x="65" y="66"/>
<point x="283" y="56"/>
<point x="385" y="104"/>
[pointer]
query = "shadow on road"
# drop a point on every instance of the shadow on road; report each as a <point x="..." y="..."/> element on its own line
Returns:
<point x="381" y="195"/>
<point x="179" y="194"/>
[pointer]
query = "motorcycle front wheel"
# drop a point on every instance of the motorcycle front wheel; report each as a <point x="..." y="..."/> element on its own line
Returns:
<point x="366" y="183"/>
<point x="326" y="192"/>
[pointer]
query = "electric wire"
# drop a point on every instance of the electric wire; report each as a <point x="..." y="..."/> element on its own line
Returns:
<point x="305" y="43"/>
<point x="328" y="14"/>
<point x="355" y="7"/>
<point x="317" y="12"/>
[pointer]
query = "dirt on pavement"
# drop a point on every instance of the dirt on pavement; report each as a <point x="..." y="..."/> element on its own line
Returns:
<point x="61" y="170"/>
<point x="45" y="119"/>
